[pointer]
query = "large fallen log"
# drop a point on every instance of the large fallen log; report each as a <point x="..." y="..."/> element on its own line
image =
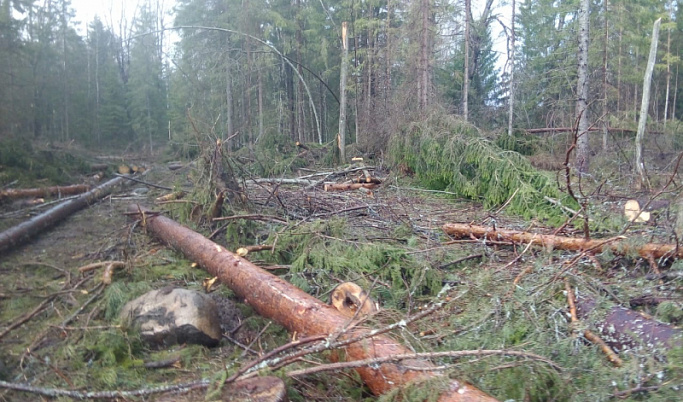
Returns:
<point x="615" y="245"/>
<point x="296" y="310"/>
<point x="13" y="193"/>
<point x="625" y="329"/>
<point x="17" y="235"/>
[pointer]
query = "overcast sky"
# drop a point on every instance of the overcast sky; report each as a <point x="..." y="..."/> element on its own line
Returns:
<point x="108" y="10"/>
<point x="112" y="10"/>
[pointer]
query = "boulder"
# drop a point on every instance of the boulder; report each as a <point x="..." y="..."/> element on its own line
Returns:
<point x="171" y="316"/>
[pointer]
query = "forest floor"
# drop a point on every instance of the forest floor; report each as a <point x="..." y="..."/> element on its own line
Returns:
<point x="389" y="241"/>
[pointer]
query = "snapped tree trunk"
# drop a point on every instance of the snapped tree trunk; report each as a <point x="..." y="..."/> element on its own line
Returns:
<point x="642" y="120"/>
<point x="296" y="310"/>
<point x="17" y="235"/>
<point x="616" y="246"/>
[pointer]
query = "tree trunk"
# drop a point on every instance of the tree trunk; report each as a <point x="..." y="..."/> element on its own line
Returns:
<point x="342" y="93"/>
<point x="605" y="116"/>
<point x="43" y="192"/>
<point x="594" y="246"/>
<point x="668" y="66"/>
<point x="466" y="73"/>
<point x="299" y="312"/>
<point x="625" y="329"/>
<point x="647" y="81"/>
<point x="17" y="235"/>
<point x="582" y="146"/>
<point x="424" y="79"/>
<point x="511" y="99"/>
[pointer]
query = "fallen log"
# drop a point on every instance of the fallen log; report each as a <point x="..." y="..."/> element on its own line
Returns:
<point x="594" y="246"/>
<point x="624" y="329"/>
<point x="43" y="192"/>
<point x="296" y="310"/>
<point x="17" y="235"/>
<point x="349" y="186"/>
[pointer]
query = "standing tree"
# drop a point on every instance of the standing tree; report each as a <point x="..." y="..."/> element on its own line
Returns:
<point x="647" y="80"/>
<point x="511" y="61"/>
<point x="466" y="73"/>
<point x="582" y="147"/>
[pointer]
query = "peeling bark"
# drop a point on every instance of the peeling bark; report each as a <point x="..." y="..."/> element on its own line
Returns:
<point x="43" y="192"/>
<point x="594" y="246"/>
<point x="275" y="298"/>
<point x="349" y="186"/>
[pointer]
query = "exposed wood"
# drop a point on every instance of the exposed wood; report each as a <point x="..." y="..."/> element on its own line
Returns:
<point x="17" y="235"/>
<point x="275" y="298"/>
<point x="349" y="186"/>
<point x="351" y="300"/>
<point x="615" y="245"/>
<point x="43" y="192"/>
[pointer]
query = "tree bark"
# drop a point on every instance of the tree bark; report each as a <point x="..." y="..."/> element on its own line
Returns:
<point x="668" y="70"/>
<point x="647" y="81"/>
<point x="605" y="117"/>
<point x="594" y="246"/>
<point x="43" y="192"/>
<point x="276" y="299"/>
<point x="511" y="98"/>
<point x="466" y="73"/>
<point x="582" y="147"/>
<point x="349" y="186"/>
<point x="623" y="328"/>
<point x="342" y="92"/>
<point x="19" y="234"/>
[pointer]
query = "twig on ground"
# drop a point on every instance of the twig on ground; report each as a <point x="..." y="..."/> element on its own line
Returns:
<point x="57" y="392"/>
<point x="428" y="355"/>
<point x="588" y="334"/>
<point x="27" y="316"/>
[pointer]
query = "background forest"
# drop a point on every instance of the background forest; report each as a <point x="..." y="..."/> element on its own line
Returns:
<point x="272" y="69"/>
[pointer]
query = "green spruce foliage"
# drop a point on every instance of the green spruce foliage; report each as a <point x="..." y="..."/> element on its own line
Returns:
<point x="447" y="154"/>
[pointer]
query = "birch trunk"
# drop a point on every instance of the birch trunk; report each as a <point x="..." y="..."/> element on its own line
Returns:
<point x="647" y="81"/>
<point x="511" y="100"/>
<point x="582" y="146"/>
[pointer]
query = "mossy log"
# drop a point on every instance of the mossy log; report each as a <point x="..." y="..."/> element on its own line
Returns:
<point x="296" y="310"/>
<point x="17" y="235"/>
<point x="594" y="246"/>
<point x="43" y="192"/>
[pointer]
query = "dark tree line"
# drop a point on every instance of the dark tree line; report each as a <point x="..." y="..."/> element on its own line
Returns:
<point x="252" y="70"/>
